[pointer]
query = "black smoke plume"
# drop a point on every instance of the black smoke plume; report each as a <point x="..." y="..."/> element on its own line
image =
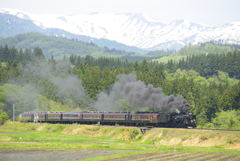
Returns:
<point x="129" y="94"/>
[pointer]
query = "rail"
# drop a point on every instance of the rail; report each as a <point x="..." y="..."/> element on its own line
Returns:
<point x="194" y="129"/>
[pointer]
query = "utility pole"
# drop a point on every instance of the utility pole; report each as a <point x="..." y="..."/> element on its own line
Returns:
<point x="13" y="106"/>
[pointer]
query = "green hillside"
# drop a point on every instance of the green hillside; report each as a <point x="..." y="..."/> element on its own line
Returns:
<point x="205" y="48"/>
<point x="58" y="47"/>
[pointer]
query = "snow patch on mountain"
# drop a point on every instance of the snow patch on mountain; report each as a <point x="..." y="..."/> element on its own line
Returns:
<point x="135" y="29"/>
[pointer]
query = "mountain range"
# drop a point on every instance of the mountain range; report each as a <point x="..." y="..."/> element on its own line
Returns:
<point x="59" y="47"/>
<point x="12" y="25"/>
<point x="132" y="32"/>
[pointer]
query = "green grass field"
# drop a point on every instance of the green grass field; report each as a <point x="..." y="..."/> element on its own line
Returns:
<point x="74" y="137"/>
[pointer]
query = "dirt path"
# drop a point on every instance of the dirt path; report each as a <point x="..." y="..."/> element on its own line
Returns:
<point x="54" y="155"/>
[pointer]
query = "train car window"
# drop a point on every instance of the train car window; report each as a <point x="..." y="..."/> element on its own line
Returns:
<point x="91" y="116"/>
<point x="70" y="115"/>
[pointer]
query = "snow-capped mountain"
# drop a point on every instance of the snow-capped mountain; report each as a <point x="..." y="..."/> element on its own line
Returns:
<point x="134" y="29"/>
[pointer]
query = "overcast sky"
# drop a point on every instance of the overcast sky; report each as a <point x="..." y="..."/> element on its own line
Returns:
<point x="214" y="12"/>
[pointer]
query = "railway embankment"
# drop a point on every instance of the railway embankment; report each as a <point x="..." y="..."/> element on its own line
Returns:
<point x="131" y="136"/>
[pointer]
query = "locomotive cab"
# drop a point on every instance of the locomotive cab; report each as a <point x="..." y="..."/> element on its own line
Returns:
<point x="183" y="120"/>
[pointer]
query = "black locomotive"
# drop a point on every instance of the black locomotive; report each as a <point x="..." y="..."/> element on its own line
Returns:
<point x="110" y="118"/>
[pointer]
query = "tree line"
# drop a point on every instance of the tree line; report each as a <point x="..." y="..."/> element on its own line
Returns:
<point x="209" y="91"/>
<point x="209" y="64"/>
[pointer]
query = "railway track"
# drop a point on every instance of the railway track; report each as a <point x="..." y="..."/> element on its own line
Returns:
<point x="146" y="128"/>
<point x="149" y="128"/>
<point x="216" y="129"/>
<point x="152" y="127"/>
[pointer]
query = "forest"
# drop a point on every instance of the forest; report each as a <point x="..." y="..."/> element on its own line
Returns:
<point x="208" y="82"/>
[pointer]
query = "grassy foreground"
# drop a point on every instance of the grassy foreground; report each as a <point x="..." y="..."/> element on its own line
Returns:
<point x="59" y="136"/>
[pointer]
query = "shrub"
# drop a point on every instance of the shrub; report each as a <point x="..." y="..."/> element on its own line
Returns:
<point x="3" y="117"/>
<point x="227" y="120"/>
<point x="203" y="138"/>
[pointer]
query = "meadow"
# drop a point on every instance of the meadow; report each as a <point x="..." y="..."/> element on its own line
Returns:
<point x="118" y="141"/>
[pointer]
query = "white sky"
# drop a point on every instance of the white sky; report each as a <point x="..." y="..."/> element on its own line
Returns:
<point x="213" y="12"/>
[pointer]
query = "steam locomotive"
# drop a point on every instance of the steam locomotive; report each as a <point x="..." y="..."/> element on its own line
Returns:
<point x="179" y="120"/>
